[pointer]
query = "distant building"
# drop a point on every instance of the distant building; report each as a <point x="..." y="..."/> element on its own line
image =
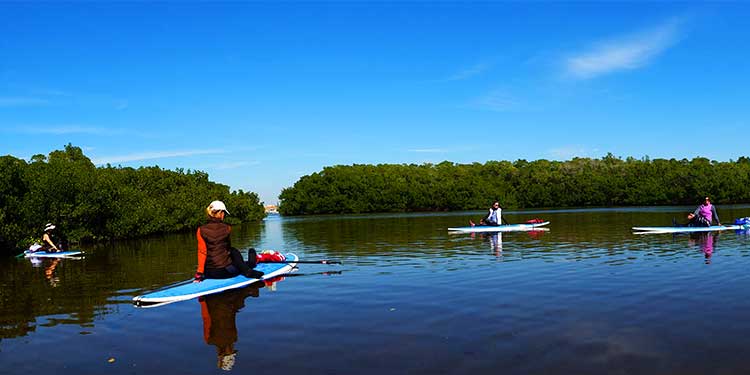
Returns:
<point x="271" y="209"/>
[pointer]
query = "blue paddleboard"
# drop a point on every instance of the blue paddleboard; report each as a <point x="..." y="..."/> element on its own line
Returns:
<point x="188" y="290"/>
<point x="44" y="254"/>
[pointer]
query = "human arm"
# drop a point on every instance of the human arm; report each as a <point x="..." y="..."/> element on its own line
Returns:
<point x="715" y="214"/>
<point x="48" y="240"/>
<point x="202" y="253"/>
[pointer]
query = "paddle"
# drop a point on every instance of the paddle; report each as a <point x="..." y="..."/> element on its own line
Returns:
<point x="323" y="261"/>
<point x="325" y="273"/>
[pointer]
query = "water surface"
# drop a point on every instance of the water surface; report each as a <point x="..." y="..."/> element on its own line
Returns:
<point x="586" y="297"/>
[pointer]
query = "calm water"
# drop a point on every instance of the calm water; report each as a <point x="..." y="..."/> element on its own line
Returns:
<point x="586" y="297"/>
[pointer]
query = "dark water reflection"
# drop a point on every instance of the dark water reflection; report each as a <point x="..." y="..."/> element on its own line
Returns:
<point x="586" y="297"/>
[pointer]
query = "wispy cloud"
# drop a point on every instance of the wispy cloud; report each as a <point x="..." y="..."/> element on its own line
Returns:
<point x="21" y="101"/>
<point x="569" y="152"/>
<point x="624" y="53"/>
<point x="469" y="72"/>
<point x="35" y="96"/>
<point x="429" y="150"/>
<point x="121" y="104"/>
<point x="235" y="165"/>
<point x="496" y="100"/>
<point x="65" y="129"/>
<point x="151" y="156"/>
<point x="49" y="92"/>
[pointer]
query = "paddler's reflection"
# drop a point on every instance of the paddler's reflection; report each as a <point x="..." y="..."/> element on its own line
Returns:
<point x="707" y="242"/>
<point x="219" y="328"/>
<point x="219" y="324"/>
<point x="496" y="242"/>
<point x="49" y="270"/>
<point x="49" y="273"/>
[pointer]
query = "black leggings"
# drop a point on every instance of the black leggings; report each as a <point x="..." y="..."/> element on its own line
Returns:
<point x="238" y="266"/>
<point x="486" y="223"/>
<point x="699" y="221"/>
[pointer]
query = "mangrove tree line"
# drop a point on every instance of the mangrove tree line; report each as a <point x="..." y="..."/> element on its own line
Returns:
<point x="580" y="182"/>
<point x="90" y="203"/>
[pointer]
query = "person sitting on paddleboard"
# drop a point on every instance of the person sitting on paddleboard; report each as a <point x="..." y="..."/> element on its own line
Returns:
<point x="217" y="259"/>
<point x="494" y="217"/>
<point x="50" y="242"/>
<point x="703" y="215"/>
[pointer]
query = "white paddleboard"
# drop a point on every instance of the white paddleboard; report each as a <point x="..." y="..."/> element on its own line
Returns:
<point x="647" y="230"/>
<point x="501" y="228"/>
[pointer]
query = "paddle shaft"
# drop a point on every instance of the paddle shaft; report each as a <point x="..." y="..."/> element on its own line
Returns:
<point x="324" y="261"/>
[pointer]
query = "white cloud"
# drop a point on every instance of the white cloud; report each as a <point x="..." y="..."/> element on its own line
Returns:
<point x="151" y="156"/>
<point x="624" y="53"/>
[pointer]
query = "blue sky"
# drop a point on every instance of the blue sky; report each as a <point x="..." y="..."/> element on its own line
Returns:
<point x="260" y="94"/>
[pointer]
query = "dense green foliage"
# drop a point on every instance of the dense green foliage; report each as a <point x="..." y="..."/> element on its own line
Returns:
<point x="580" y="182"/>
<point x="90" y="203"/>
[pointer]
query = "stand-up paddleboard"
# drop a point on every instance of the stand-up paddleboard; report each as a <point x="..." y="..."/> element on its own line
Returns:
<point x="501" y="228"/>
<point x="44" y="254"/>
<point x="188" y="290"/>
<point x="653" y="230"/>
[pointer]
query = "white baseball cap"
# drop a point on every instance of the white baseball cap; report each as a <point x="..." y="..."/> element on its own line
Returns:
<point x="49" y="226"/>
<point x="218" y="206"/>
<point x="226" y="362"/>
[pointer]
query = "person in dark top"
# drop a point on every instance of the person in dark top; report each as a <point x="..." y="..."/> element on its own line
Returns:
<point x="217" y="259"/>
<point x="50" y="240"/>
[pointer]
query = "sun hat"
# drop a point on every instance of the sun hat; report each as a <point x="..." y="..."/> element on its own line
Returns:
<point x="218" y="206"/>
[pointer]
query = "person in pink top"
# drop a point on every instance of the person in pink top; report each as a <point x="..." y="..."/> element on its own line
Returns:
<point x="704" y="215"/>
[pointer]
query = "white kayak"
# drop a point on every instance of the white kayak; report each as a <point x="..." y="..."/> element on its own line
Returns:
<point x="188" y="289"/>
<point x="501" y="228"/>
<point x="673" y="229"/>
